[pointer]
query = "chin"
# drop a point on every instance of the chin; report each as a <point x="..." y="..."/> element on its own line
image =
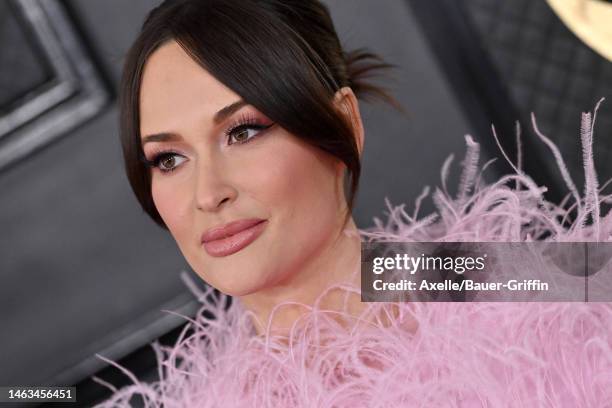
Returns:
<point x="240" y="290"/>
<point x="234" y="281"/>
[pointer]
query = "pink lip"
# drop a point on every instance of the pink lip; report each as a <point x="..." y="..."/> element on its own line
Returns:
<point x="232" y="237"/>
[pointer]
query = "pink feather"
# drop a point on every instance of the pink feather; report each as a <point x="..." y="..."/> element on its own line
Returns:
<point x="482" y="354"/>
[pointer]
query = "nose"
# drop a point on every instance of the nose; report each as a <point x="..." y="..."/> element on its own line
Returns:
<point x="212" y="190"/>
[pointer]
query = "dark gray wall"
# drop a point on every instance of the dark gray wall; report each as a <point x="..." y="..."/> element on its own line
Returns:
<point x="81" y="267"/>
<point x="82" y="270"/>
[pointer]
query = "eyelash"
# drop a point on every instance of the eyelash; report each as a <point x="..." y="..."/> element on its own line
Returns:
<point x="243" y="122"/>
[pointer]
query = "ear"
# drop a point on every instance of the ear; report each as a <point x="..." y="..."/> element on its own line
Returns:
<point x="346" y="101"/>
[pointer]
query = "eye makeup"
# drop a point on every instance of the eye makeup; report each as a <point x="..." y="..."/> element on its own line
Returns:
<point x="245" y="122"/>
<point x="162" y="156"/>
<point x="236" y="133"/>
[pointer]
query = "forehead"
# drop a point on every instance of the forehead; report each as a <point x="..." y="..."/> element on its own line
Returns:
<point x="174" y="88"/>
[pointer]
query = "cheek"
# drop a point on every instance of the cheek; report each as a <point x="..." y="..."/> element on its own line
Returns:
<point x="299" y="185"/>
<point x="171" y="199"/>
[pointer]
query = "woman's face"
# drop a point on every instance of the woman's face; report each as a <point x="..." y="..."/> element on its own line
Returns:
<point x="217" y="165"/>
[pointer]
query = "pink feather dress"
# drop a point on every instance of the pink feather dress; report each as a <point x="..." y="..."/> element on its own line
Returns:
<point x="480" y="354"/>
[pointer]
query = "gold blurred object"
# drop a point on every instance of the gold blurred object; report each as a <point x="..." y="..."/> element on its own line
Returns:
<point x="590" y="20"/>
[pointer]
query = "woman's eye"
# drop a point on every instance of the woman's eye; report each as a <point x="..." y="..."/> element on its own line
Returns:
<point x="167" y="162"/>
<point x="244" y="133"/>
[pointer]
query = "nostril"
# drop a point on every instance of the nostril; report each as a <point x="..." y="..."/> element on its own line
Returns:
<point x="214" y="198"/>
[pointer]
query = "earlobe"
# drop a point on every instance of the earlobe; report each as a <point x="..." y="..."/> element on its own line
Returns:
<point x="347" y="101"/>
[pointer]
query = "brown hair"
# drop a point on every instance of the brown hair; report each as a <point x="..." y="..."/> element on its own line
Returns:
<point x="281" y="56"/>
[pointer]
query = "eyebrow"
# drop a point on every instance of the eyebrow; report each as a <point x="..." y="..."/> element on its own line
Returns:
<point x="219" y="117"/>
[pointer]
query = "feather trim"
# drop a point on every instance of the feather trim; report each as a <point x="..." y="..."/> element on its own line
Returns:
<point x="458" y="355"/>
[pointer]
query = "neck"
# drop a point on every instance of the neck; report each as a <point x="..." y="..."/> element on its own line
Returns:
<point x="338" y="262"/>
